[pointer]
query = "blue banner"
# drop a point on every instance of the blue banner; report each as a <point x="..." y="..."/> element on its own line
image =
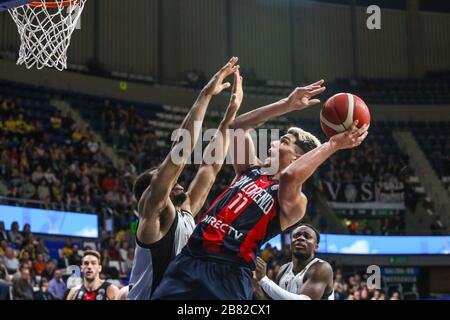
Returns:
<point x="51" y="222"/>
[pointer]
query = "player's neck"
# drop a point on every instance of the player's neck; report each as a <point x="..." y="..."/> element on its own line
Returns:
<point x="93" y="285"/>
<point x="299" y="263"/>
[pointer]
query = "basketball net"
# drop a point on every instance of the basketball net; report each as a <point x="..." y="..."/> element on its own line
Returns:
<point x="45" y="29"/>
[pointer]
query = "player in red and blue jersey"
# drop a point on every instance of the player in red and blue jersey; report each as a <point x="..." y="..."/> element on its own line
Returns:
<point x="264" y="200"/>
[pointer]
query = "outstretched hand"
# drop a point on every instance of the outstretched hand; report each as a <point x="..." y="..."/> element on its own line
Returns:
<point x="237" y="93"/>
<point x="300" y="98"/>
<point x="216" y="85"/>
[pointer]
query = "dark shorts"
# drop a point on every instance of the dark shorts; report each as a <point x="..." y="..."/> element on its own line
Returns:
<point x="189" y="278"/>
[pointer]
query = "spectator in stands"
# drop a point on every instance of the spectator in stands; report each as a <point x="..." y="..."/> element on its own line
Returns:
<point x="26" y="233"/>
<point x="10" y="261"/>
<point x="22" y="288"/>
<point x="3" y="234"/>
<point x="37" y="175"/>
<point x="124" y="246"/>
<point x="63" y="261"/>
<point x="56" y="287"/>
<point x="75" y="258"/>
<point x="67" y="249"/>
<point x="39" y="264"/>
<point x="5" y="282"/>
<point x="43" y="293"/>
<point x="14" y="234"/>
<point x="40" y="247"/>
<point x="395" y="296"/>
<point x="3" y="246"/>
<point x="49" y="271"/>
<point x="56" y="122"/>
<point x="376" y="295"/>
<point x="27" y="189"/>
<point x="113" y="253"/>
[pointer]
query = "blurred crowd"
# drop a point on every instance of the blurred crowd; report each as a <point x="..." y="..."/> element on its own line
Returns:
<point x="30" y="271"/>
<point x="49" y="162"/>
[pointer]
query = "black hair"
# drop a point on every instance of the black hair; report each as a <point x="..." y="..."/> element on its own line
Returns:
<point x="142" y="182"/>
<point x="309" y="226"/>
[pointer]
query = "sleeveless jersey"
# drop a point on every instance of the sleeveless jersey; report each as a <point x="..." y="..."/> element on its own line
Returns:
<point x="98" y="294"/>
<point x="151" y="261"/>
<point x="241" y="219"/>
<point x="293" y="282"/>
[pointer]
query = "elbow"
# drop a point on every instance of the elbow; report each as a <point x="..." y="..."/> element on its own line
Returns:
<point x="233" y="124"/>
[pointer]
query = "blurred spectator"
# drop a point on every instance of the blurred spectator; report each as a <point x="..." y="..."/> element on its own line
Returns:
<point x="395" y="296"/>
<point x="56" y="287"/>
<point x="43" y="293"/>
<point x="3" y="234"/>
<point x="67" y="249"/>
<point x="14" y="234"/>
<point x="49" y="270"/>
<point x="39" y="265"/>
<point x="10" y="261"/>
<point x="41" y="248"/>
<point x="124" y="250"/>
<point x="22" y="288"/>
<point x="113" y="253"/>
<point x="75" y="258"/>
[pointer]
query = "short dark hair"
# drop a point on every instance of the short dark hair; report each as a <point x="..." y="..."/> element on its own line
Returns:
<point x="142" y="182"/>
<point x="309" y="226"/>
<point x="94" y="253"/>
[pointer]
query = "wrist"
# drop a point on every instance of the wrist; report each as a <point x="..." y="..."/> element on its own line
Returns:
<point x="285" y="105"/>
<point x="263" y="280"/>
<point x="333" y="145"/>
<point x="205" y="93"/>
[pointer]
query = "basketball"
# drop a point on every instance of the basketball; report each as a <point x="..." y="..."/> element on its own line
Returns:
<point x="340" y="111"/>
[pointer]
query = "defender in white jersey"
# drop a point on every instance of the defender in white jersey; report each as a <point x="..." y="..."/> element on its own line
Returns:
<point x="166" y="212"/>
<point x="304" y="278"/>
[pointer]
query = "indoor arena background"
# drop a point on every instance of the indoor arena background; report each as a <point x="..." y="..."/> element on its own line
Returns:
<point x="74" y="141"/>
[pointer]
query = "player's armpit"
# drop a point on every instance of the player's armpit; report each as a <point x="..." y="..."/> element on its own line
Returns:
<point x="292" y="202"/>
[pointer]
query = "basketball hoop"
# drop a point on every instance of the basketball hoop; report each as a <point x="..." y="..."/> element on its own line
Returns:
<point x="45" y="29"/>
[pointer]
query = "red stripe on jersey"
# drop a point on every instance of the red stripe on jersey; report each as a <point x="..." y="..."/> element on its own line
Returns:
<point x="256" y="234"/>
<point x="212" y="237"/>
<point x="90" y="296"/>
<point x="217" y="200"/>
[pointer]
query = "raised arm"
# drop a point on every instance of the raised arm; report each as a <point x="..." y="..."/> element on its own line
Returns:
<point x="215" y="153"/>
<point x="299" y="99"/>
<point x="156" y="196"/>
<point x="292" y="201"/>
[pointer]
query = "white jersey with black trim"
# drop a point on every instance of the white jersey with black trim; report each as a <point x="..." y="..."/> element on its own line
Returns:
<point x="293" y="282"/>
<point x="151" y="261"/>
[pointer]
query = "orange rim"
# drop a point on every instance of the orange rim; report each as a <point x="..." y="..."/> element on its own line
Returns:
<point x="53" y="4"/>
